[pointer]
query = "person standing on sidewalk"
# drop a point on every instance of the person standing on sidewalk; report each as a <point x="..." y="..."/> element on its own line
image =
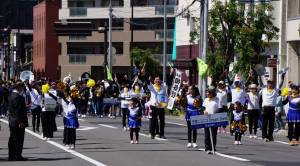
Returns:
<point x="222" y="96"/>
<point x="269" y="95"/>
<point x="18" y="121"/>
<point x="36" y="106"/>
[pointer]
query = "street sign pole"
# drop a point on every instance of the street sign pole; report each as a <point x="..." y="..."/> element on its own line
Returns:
<point x="211" y="141"/>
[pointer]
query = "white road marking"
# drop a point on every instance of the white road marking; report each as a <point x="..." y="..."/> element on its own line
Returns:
<point x="81" y="120"/>
<point x="73" y="152"/>
<point x="81" y="128"/>
<point x="104" y="125"/>
<point x="282" y="142"/>
<point x="228" y="156"/>
<point x="146" y="135"/>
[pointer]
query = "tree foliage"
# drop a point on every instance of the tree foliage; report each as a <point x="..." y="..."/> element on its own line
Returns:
<point x="141" y="56"/>
<point x="237" y="30"/>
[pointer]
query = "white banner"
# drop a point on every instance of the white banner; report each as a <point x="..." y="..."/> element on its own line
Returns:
<point x="175" y="89"/>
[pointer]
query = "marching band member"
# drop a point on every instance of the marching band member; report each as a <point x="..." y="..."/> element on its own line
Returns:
<point x="253" y="109"/>
<point x="158" y="101"/>
<point x="192" y="108"/>
<point x="125" y="96"/>
<point x="84" y="99"/>
<point x="293" y="115"/>
<point x="36" y="102"/>
<point x="49" y="100"/>
<point x="134" y="119"/>
<point x="211" y="105"/>
<point x="238" y="125"/>
<point x="222" y="96"/>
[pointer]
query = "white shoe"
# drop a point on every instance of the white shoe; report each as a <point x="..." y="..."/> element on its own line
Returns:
<point x="124" y="128"/>
<point x="255" y="136"/>
<point x="236" y="142"/>
<point x="45" y="138"/>
<point x="79" y="115"/>
<point x="251" y="136"/>
<point x="101" y="116"/>
<point x="194" y="145"/>
<point x="48" y="139"/>
<point x="83" y="116"/>
<point x="240" y="143"/>
<point x="72" y="147"/>
<point x="136" y="142"/>
<point x="131" y="142"/>
<point x="189" y="145"/>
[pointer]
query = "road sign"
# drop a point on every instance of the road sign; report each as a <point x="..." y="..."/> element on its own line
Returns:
<point x="207" y="121"/>
<point x="272" y="62"/>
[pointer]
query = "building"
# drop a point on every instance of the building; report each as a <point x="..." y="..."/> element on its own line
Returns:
<point x="292" y="57"/>
<point x="45" y="42"/>
<point x="15" y="15"/>
<point x="136" y="23"/>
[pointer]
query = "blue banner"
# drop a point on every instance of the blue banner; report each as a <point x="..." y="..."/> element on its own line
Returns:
<point x="206" y="121"/>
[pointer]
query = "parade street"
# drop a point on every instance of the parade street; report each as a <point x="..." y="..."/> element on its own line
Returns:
<point x="102" y="141"/>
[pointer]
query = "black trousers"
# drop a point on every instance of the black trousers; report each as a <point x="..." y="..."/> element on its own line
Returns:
<point x="253" y="116"/>
<point x="294" y="130"/>
<point x="190" y="132"/>
<point x="15" y="143"/>
<point x="36" y="118"/>
<point x="268" y="117"/>
<point x="69" y="136"/>
<point x="125" y="113"/>
<point x="48" y="123"/>
<point x="207" y="141"/>
<point x="136" y="131"/>
<point x="238" y="136"/>
<point x="83" y="107"/>
<point x="158" y="113"/>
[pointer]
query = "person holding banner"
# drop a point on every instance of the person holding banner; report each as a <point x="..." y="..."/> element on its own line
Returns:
<point x="193" y="104"/>
<point x="211" y="106"/>
<point x="158" y="102"/>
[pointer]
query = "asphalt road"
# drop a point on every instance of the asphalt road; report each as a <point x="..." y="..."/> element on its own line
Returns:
<point x="103" y="142"/>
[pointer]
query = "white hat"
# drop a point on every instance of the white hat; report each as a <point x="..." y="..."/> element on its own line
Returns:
<point x="253" y="86"/>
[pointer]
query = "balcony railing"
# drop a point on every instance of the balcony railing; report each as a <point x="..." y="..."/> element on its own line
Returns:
<point x="78" y="11"/>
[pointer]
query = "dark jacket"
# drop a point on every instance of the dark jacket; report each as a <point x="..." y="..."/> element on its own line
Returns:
<point x="17" y="110"/>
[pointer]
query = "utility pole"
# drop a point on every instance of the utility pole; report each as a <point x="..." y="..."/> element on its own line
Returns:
<point x="105" y="49"/>
<point x="131" y="40"/>
<point x="202" y="82"/>
<point x="165" y="43"/>
<point x="110" y="37"/>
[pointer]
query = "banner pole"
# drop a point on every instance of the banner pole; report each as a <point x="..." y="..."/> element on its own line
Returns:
<point x="211" y="141"/>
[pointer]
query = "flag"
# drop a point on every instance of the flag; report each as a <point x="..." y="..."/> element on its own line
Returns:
<point x="202" y="67"/>
<point x="108" y="74"/>
<point x="174" y="52"/>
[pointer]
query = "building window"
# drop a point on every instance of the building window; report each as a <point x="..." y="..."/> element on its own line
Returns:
<point x="114" y="3"/>
<point x="77" y="59"/>
<point x="78" y="11"/>
<point x="77" y="37"/>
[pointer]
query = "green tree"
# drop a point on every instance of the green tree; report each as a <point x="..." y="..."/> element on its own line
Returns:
<point x="235" y="31"/>
<point x="140" y="57"/>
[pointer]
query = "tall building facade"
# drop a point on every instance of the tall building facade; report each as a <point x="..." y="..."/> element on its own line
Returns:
<point x="135" y="23"/>
<point x="292" y="57"/>
<point x="45" y="42"/>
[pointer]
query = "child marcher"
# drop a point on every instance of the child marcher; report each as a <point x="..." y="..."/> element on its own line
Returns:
<point x="70" y="122"/>
<point x="238" y="125"/>
<point x="134" y="119"/>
